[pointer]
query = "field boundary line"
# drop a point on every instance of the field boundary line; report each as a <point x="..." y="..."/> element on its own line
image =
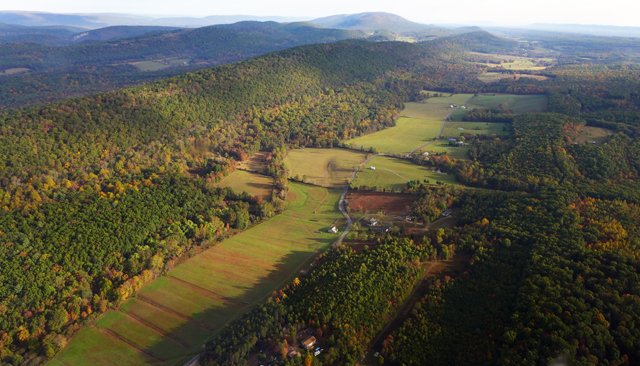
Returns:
<point x="171" y="311"/>
<point x="62" y="362"/>
<point x="155" y="328"/>
<point x="112" y="334"/>
<point x="208" y="293"/>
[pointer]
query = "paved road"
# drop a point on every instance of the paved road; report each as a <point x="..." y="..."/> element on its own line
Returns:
<point x="441" y="128"/>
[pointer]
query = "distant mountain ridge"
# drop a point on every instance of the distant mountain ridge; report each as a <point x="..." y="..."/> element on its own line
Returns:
<point x="592" y="29"/>
<point x="371" y="21"/>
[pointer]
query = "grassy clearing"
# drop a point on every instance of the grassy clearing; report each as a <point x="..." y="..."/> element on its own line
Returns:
<point x="454" y="152"/>
<point x="405" y="170"/>
<point x="448" y="98"/>
<point x="452" y="129"/>
<point x="511" y="62"/>
<point x="140" y="335"/>
<point x="91" y="347"/>
<point x="591" y="134"/>
<point x="252" y="183"/>
<point x="408" y="134"/>
<point x="15" y="70"/>
<point x="323" y="167"/>
<point x="149" y="65"/>
<point x="519" y="103"/>
<point x="426" y="110"/>
<point x="492" y="77"/>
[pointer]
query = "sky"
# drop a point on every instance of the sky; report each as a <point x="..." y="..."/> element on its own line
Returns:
<point x="605" y="12"/>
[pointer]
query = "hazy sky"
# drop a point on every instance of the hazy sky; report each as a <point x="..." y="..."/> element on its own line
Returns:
<point x="610" y="12"/>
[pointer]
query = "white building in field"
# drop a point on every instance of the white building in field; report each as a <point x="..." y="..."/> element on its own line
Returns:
<point x="333" y="230"/>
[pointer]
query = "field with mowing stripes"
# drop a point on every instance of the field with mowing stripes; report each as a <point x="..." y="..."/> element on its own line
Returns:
<point x="518" y="103"/>
<point x="323" y="167"/>
<point x="170" y="319"/>
<point x="395" y="173"/>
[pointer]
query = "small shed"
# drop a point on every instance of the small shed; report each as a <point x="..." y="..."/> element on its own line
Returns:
<point x="309" y="342"/>
<point x="453" y="140"/>
<point x="333" y="230"/>
<point x="372" y="168"/>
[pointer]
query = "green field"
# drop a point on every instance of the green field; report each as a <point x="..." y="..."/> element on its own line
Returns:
<point x="92" y="347"/>
<point x="590" y="134"/>
<point x="419" y="123"/>
<point x="252" y="183"/>
<point x="323" y="167"/>
<point x="452" y="129"/>
<point x="149" y="65"/>
<point x="454" y="152"/>
<point x="492" y="77"/>
<point x="514" y="62"/>
<point x="395" y="173"/>
<point x="174" y="315"/>
<point x="519" y="103"/>
<point x="448" y="98"/>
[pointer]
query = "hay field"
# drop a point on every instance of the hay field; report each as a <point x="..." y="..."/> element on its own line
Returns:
<point x="394" y="173"/>
<point x="323" y="167"/>
<point x="252" y="183"/>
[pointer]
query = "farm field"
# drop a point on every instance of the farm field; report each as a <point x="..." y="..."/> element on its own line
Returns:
<point x="515" y="62"/>
<point x="373" y="201"/>
<point x="419" y="123"/>
<point x="448" y="98"/>
<point x="149" y="65"/>
<point x="519" y="103"/>
<point x="492" y="77"/>
<point x="323" y="167"/>
<point x="395" y="173"/>
<point x="171" y="317"/>
<point x="442" y="146"/>
<point x="452" y="129"/>
<point x="252" y="183"/>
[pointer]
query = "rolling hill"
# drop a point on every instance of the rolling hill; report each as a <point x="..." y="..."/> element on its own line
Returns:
<point x="83" y="68"/>
<point x="371" y="21"/>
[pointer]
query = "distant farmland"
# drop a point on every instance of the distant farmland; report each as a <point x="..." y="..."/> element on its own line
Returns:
<point x="323" y="167"/>
<point x="170" y="319"/>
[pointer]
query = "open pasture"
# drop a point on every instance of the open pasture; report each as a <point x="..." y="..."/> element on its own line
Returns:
<point x="447" y="98"/>
<point x="323" y="167"/>
<point x="590" y="134"/>
<point x="93" y="347"/>
<point x="453" y="129"/>
<point x="172" y="316"/>
<point x="453" y="152"/>
<point x="408" y="134"/>
<point x="149" y="65"/>
<point x="426" y="110"/>
<point x="519" y="103"/>
<point x="512" y="62"/>
<point x="492" y="77"/>
<point x="253" y="183"/>
<point x="395" y="173"/>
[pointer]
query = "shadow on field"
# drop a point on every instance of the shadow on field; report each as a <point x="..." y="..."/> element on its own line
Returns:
<point x="260" y="186"/>
<point x="215" y="319"/>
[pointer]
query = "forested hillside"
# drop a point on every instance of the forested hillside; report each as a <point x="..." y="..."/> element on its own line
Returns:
<point x="90" y="67"/>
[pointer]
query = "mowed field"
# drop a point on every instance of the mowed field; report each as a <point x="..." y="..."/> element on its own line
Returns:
<point x="395" y="173"/>
<point x="518" y="103"/>
<point x="590" y="134"/>
<point x="453" y="129"/>
<point x="419" y="123"/>
<point x="324" y="167"/>
<point x="514" y="62"/>
<point x="253" y="183"/>
<point x="492" y="77"/>
<point x="170" y="319"/>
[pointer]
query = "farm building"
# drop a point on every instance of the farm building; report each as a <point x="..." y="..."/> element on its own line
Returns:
<point x="447" y="213"/>
<point x="333" y="230"/>
<point x="373" y="168"/>
<point x="293" y="354"/>
<point x="453" y="140"/>
<point x="425" y="153"/>
<point x="373" y="222"/>
<point x="451" y="106"/>
<point x="463" y="107"/>
<point x="309" y="342"/>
